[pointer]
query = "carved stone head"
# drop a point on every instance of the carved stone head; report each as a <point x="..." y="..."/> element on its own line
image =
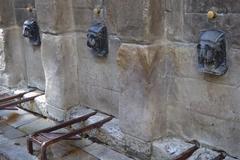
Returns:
<point x="31" y="31"/>
<point x="97" y="39"/>
<point x="212" y="52"/>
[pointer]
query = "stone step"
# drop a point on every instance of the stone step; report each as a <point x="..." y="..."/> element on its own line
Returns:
<point x="204" y="154"/>
<point x="38" y="105"/>
<point x="170" y="148"/>
<point x="111" y="134"/>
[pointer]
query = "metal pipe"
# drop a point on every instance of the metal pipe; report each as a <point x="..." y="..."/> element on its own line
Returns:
<point x="15" y="96"/>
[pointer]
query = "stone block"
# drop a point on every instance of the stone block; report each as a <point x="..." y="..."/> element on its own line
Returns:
<point x="206" y="98"/>
<point x="34" y="66"/>
<point x="222" y="134"/>
<point x="2" y="56"/>
<point x="24" y="3"/>
<point x="38" y="105"/>
<point x="98" y="77"/>
<point x="59" y="57"/>
<point x="174" y="16"/>
<point x="22" y="14"/>
<point x="169" y="148"/>
<point x="55" y="16"/>
<point x="111" y="134"/>
<point x="221" y="6"/>
<point x="143" y="24"/>
<point x="13" y="71"/>
<point x="142" y="88"/>
<point x="194" y="23"/>
<point x="180" y="60"/>
<point x="138" y="148"/>
<point x="7" y="14"/>
<point x="229" y="158"/>
<point x="83" y="18"/>
<point x="203" y="153"/>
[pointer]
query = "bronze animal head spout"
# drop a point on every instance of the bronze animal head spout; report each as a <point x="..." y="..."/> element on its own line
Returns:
<point x="31" y="31"/>
<point x="212" y="52"/>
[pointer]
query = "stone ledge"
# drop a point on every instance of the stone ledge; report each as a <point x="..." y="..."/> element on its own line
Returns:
<point x="169" y="148"/>
<point x="111" y="134"/>
<point x="204" y="153"/>
<point x="38" y="105"/>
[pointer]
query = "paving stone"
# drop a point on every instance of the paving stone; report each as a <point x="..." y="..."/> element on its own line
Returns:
<point x="10" y="132"/>
<point x="230" y="158"/>
<point x="111" y="134"/>
<point x="3" y="139"/>
<point x="104" y="153"/>
<point x="14" y="152"/>
<point x="203" y="154"/>
<point x="169" y="148"/>
<point x="36" y="125"/>
<point x="16" y="120"/>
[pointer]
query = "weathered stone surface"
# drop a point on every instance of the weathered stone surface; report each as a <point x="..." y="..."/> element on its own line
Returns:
<point x="38" y="105"/>
<point x="221" y="6"/>
<point x="24" y="3"/>
<point x="33" y="58"/>
<point x="174" y="16"/>
<point x="222" y="134"/>
<point x="141" y="92"/>
<point x="103" y="152"/>
<point x="111" y="134"/>
<point x="2" y="55"/>
<point x="205" y="98"/>
<point x="13" y="72"/>
<point x="203" y="153"/>
<point x="229" y="158"/>
<point x="36" y="125"/>
<point x="169" y="148"/>
<point x="138" y="148"/>
<point x="10" y="132"/>
<point x="23" y="14"/>
<point x="11" y="151"/>
<point x="229" y="24"/>
<point x="181" y="61"/>
<point x="98" y="77"/>
<point x="7" y="14"/>
<point x="82" y="16"/>
<point x="55" y="16"/>
<point x="60" y="66"/>
<point x="142" y="24"/>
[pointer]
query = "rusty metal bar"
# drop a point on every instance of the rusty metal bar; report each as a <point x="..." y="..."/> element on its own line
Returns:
<point x="65" y="124"/>
<point x="5" y="105"/>
<point x="56" y="137"/>
<point x="9" y="108"/>
<point x="15" y="96"/>
<point x="188" y="152"/>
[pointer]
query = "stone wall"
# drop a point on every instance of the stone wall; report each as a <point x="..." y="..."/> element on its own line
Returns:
<point x="202" y="107"/>
<point x="148" y="80"/>
<point x="21" y="63"/>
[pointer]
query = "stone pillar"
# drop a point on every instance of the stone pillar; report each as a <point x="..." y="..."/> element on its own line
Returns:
<point x="142" y="110"/>
<point x="59" y="55"/>
<point x="12" y="71"/>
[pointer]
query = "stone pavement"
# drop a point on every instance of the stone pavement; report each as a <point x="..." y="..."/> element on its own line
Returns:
<point x="16" y="125"/>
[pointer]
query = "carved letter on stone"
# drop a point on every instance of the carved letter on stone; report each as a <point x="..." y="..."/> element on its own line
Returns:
<point x="212" y="52"/>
